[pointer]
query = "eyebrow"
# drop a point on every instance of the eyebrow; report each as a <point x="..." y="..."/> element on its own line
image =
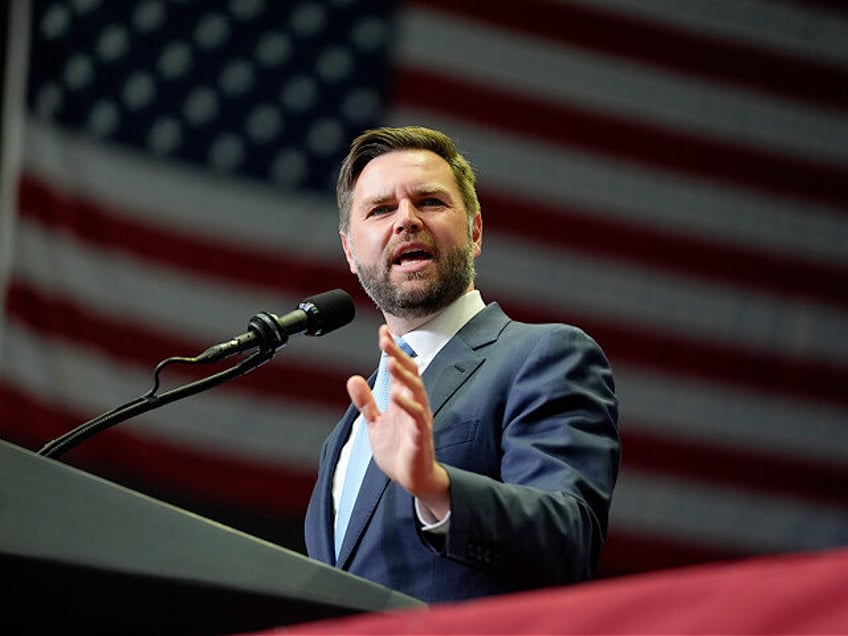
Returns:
<point x="421" y="191"/>
<point x="428" y="189"/>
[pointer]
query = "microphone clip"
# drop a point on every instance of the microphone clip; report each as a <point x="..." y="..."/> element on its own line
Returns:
<point x="268" y="332"/>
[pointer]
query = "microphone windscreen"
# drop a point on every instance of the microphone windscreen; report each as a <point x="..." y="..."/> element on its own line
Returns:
<point x="328" y="311"/>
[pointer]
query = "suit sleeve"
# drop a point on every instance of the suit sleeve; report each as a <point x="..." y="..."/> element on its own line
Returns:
<point x="541" y="515"/>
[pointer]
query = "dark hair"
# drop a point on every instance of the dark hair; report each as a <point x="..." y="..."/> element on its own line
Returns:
<point x="379" y="141"/>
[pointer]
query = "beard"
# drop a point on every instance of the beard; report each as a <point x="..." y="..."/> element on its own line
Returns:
<point x="455" y="275"/>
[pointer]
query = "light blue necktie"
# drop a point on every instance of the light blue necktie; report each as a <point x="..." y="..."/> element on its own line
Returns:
<point x="360" y="453"/>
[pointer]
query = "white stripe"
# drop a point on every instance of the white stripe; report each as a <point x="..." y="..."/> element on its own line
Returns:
<point x="567" y="283"/>
<point x="723" y="416"/>
<point x="454" y="47"/>
<point x="724" y="517"/>
<point x="809" y="31"/>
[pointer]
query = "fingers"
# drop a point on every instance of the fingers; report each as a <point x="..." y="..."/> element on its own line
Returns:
<point x="407" y="390"/>
<point x="361" y="396"/>
<point x="405" y="382"/>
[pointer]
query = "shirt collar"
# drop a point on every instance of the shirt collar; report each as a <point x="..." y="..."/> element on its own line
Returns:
<point x="428" y="339"/>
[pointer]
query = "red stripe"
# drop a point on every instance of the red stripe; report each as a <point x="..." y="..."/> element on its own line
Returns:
<point x="728" y="365"/>
<point x="689" y="154"/>
<point x="736" y="364"/>
<point x="202" y="476"/>
<point x="629" y="552"/>
<point x="665" y="46"/>
<point x="585" y="231"/>
<point x="836" y="6"/>
<point x="723" y="465"/>
<point x="214" y="261"/>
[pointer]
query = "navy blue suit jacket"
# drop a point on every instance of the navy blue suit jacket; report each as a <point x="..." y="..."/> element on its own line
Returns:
<point x="526" y="424"/>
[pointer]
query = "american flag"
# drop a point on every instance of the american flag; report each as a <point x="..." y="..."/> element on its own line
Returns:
<point x="671" y="177"/>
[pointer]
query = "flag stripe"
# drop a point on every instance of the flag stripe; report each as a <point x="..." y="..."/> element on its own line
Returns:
<point x="687" y="52"/>
<point x="730" y="363"/>
<point x="624" y="550"/>
<point x="89" y="221"/>
<point x="712" y="414"/>
<point x="722" y="516"/>
<point x="265" y="488"/>
<point x="752" y="21"/>
<point x="721" y="464"/>
<point x="653" y="247"/>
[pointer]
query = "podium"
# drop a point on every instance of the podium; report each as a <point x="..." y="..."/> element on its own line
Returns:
<point x="78" y="551"/>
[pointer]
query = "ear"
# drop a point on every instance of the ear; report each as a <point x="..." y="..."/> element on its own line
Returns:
<point x="348" y="251"/>
<point x="477" y="233"/>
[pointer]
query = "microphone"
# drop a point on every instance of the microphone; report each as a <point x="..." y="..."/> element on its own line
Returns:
<point x="314" y="316"/>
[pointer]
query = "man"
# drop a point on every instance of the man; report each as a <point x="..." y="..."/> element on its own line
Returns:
<point x="495" y="458"/>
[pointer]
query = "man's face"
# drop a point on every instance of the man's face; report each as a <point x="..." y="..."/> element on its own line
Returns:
<point x="410" y="241"/>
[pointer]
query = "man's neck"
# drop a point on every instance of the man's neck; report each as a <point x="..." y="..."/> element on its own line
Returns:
<point x="400" y="325"/>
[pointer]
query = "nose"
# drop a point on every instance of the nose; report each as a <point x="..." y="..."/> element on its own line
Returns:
<point x="407" y="218"/>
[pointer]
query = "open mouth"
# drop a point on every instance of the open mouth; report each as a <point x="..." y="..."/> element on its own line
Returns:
<point x="413" y="255"/>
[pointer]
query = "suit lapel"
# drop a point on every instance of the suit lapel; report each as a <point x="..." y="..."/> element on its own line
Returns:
<point x="326" y="544"/>
<point x="461" y="356"/>
<point x="373" y="484"/>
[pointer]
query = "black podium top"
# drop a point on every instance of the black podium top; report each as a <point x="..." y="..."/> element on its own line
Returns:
<point x="78" y="551"/>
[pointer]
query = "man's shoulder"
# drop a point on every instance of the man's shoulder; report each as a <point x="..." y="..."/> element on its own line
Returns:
<point x="493" y="314"/>
<point x="494" y="326"/>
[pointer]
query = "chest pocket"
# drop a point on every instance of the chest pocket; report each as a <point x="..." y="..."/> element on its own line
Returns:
<point x="456" y="434"/>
